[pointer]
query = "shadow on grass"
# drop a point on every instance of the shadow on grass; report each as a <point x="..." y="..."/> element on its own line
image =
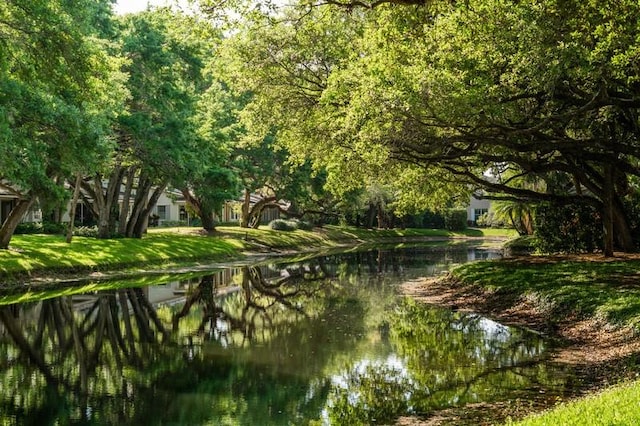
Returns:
<point x="608" y="290"/>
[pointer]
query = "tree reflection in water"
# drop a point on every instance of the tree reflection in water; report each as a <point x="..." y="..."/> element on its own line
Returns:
<point x="324" y="340"/>
<point x="443" y="359"/>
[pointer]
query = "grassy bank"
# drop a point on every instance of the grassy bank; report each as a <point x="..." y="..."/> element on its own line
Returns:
<point x="568" y="290"/>
<point x="617" y="406"/>
<point x="44" y="254"/>
<point x="588" y="287"/>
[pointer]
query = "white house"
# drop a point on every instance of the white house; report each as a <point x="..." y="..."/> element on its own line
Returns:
<point x="476" y="209"/>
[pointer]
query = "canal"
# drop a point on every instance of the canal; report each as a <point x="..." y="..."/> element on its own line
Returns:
<point x="324" y="340"/>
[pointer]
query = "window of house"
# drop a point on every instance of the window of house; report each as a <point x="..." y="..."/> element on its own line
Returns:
<point x="163" y="212"/>
<point x="477" y="213"/>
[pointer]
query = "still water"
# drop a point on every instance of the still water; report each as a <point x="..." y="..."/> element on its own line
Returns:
<point x="321" y="341"/>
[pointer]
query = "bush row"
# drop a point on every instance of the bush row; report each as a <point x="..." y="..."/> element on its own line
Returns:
<point x="290" y="225"/>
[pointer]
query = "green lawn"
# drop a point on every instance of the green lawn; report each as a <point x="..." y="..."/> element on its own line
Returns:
<point x="605" y="290"/>
<point x="619" y="405"/>
<point x="29" y="253"/>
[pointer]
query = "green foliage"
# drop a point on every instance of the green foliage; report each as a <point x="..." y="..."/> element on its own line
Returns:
<point x="449" y="91"/>
<point x="282" y="225"/>
<point x="289" y="225"/>
<point x="522" y="245"/>
<point x="58" y="90"/>
<point x="86" y="231"/>
<point x="165" y="77"/>
<point x="455" y="220"/>
<point x="567" y="228"/>
<point x="41" y="228"/>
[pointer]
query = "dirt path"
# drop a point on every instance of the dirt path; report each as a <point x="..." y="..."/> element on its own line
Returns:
<point x="600" y="355"/>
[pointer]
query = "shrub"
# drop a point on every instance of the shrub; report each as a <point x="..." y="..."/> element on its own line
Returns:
<point x="282" y="225"/>
<point x="40" y="228"/>
<point x="301" y="224"/>
<point x="491" y="220"/>
<point x="53" y="228"/>
<point x="521" y="245"/>
<point x="29" y="228"/>
<point x="574" y="228"/>
<point x="86" y="231"/>
<point x="455" y="220"/>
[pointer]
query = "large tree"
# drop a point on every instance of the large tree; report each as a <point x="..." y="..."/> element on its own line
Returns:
<point x="289" y="65"/>
<point x="157" y="136"/>
<point x="526" y="89"/>
<point x="58" y="92"/>
<point x="483" y="92"/>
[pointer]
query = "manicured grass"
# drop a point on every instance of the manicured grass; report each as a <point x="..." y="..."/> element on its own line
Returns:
<point x="619" y="405"/>
<point x="606" y="290"/>
<point x="30" y="253"/>
<point x="331" y="236"/>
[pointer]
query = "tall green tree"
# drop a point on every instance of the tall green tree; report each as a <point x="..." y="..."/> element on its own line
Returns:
<point x="157" y="136"/>
<point x="59" y="90"/>
<point x="297" y="69"/>
<point x="207" y="184"/>
<point x="530" y="88"/>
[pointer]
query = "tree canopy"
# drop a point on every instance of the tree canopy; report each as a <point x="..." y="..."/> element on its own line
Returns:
<point x="56" y="98"/>
<point x="482" y="93"/>
<point x="424" y="102"/>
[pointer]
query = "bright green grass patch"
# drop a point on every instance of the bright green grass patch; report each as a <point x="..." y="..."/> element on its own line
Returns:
<point x="330" y="236"/>
<point x="605" y="290"/>
<point x="30" y="253"/>
<point x="271" y="238"/>
<point x="338" y="232"/>
<point x="619" y="405"/>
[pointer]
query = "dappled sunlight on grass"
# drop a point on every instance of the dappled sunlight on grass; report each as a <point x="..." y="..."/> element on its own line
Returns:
<point x="615" y="406"/>
<point x="33" y="252"/>
<point x="606" y="290"/>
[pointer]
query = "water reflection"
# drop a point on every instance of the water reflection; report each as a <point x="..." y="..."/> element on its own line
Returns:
<point x="321" y="341"/>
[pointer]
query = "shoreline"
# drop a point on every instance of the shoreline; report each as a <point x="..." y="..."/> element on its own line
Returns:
<point x="600" y="354"/>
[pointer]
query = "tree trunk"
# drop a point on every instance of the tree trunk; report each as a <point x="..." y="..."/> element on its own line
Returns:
<point x="142" y="193"/>
<point x="204" y="213"/>
<point x="74" y="205"/>
<point x="246" y="205"/>
<point x="208" y="223"/>
<point x="371" y="216"/>
<point x="380" y="216"/>
<point x="104" y="201"/>
<point x="142" y="220"/>
<point x="13" y="220"/>
<point x="253" y="217"/>
<point x="621" y="227"/>
<point x="126" y="201"/>
<point x="607" y="217"/>
<point x="100" y="207"/>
